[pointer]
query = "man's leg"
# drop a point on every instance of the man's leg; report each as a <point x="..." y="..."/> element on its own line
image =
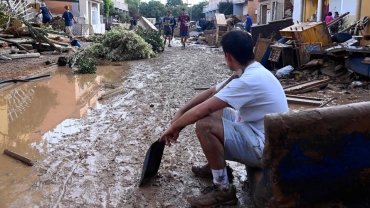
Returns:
<point x="169" y="40"/>
<point x="210" y="132"/>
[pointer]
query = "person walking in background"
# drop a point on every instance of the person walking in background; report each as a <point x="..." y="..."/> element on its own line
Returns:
<point x="183" y="20"/>
<point x="167" y="28"/>
<point x="248" y="23"/>
<point x="132" y="23"/>
<point x="335" y="27"/>
<point x="173" y="26"/>
<point x="329" y="17"/>
<point x="46" y="15"/>
<point x="68" y="17"/>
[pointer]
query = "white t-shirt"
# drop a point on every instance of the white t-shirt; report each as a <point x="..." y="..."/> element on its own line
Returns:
<point x="256" y="93"/>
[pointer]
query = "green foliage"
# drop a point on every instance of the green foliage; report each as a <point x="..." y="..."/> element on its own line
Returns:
<point x="97" y="50"/>
<point x="86" y="64"/>
<point x="133" y="7"/>
<point x="113" y="12"/>
<point x="3" y="16"/>
<point x="153" y="9"/>
<point x="197" y="10"/>
<point x="174" y="3"/>
<point x="153" y="38"/>
<point x="120" y="45"/>
<point x="226" y="8"/>
<point x="108" y="4"/>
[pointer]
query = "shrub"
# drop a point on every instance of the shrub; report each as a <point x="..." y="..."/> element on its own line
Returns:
<point x="86" y="64"/>
<point x="153" y="38"/>
<point x="120" y="45"/>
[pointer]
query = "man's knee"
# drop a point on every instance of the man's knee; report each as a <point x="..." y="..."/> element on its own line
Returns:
<point x="204" y="124"/>
<point x="209" y="124"/>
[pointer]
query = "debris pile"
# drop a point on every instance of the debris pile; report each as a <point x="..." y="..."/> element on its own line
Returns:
<point x="308" y="54"/>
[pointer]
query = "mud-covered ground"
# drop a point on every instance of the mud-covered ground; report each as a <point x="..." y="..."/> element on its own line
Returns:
<point x="96" y="160"/>
<point x="100" y="166"/>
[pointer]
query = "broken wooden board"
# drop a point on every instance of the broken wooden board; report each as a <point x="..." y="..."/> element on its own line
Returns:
<point x="304" y="100"/>
<point x="261" y="47"/>
<point x="306" y="86"/>
<point x="220" y="19"/>
<point x="19" y="40"/>
<point x="315" y="62"/>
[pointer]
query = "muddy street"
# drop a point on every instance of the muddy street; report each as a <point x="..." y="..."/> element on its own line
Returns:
<point x="90" y="152"/>
<point x="94" y="159"/>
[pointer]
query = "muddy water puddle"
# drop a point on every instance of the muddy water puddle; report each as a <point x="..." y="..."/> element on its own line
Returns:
<point x="36" y="114"/>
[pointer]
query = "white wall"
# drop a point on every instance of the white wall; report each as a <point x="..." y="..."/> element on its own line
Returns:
<point x="297" y="10"/>
<point x="245" y="9"/>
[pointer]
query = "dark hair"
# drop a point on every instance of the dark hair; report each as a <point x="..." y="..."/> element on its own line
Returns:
<point x="239" y="44"/>
<point x="169" y="11"/>
<point x="329" y="14"/>
<point x="183" y="9"/>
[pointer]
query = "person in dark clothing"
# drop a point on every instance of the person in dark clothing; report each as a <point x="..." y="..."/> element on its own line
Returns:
<point x="167" y="28"/>
<point x="132" y="23"/>
<point x="46" y="14"/>
<point x="174" y="25"/>
<point x="248" y="23"/>
<point x="68" y="17"/>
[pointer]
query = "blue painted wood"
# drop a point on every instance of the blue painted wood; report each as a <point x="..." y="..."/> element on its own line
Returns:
<point x="354" y="63"/>
<point x="337" y="167"/>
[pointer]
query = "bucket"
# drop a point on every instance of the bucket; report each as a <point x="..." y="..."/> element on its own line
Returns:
<point x="75" y="43"/>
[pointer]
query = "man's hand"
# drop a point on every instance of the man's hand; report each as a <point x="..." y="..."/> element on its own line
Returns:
<point x="170" y="136"/>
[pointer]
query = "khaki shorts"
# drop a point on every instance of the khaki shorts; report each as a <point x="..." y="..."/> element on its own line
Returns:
<point x="241" y="143"/>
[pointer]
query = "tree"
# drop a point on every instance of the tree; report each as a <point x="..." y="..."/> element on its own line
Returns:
<point x="152" y="9"/>
<point x="107" y="6"/>
<point x="197" y="10"/>
<point x="226" y="8"/>
<point x="174" y="3"/>
<point x="133" y="7"/>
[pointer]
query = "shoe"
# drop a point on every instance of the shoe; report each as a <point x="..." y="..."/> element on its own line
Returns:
<point x="214" y="196"/>
<point x="169" y="45"/>
<point x="202" y="171"/>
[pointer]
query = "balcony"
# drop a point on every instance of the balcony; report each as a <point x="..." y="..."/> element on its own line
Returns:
<point x="238" y="1"/>
<point x="205" y="9"/>
<point x="120" y="4"/>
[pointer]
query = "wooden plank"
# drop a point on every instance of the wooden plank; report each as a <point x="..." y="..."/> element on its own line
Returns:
<point x="303" y="97"/>
<point x="220" y="19"/>
<point x="19" y="40"/>
<point x="307" y="86"/>
<point x="303" y="101"/>
<point x="19" y="157"/>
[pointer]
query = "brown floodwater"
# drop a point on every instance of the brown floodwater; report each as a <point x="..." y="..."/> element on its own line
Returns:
<point x="36" y="114"/>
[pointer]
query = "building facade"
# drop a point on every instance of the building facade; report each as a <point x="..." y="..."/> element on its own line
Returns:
<point x="121" y="6"/>
<point x="271" y="10"/>
<point x="315" y="10"/>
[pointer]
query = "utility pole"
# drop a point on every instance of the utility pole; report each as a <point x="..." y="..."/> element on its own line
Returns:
<point x="138" y="7"/>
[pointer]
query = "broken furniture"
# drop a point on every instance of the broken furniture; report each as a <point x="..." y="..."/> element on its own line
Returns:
<point x="308" y="32"/>
<point x="315" y="158"/>
<point x="264" y="31"/>
<point x="283" y="54"/>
